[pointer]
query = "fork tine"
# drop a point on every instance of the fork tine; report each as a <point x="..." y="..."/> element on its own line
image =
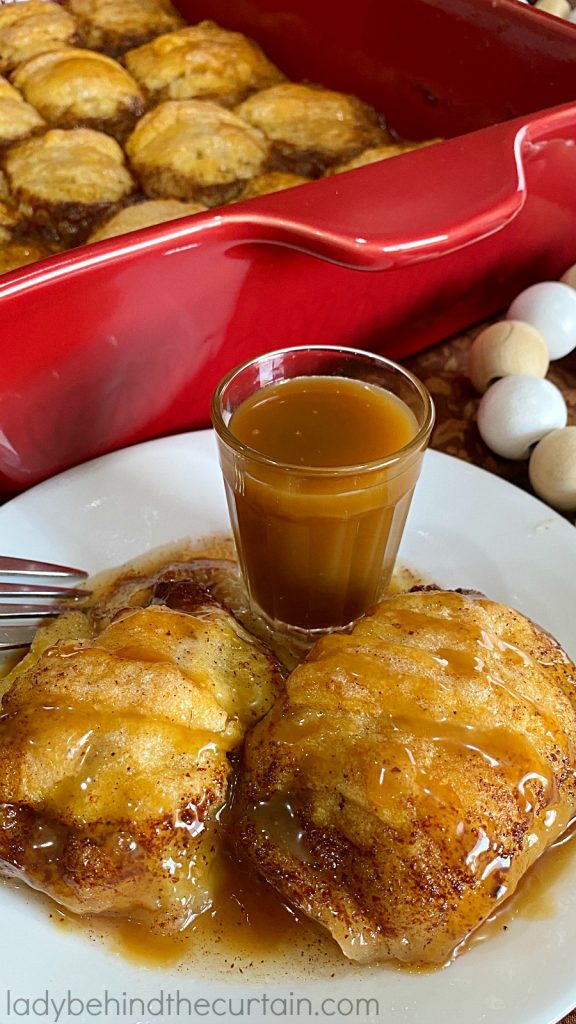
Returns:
<point x="34" y="611"/>
<point x="44" y="590"/>
<point x="24" y="567"/>
<point x="15" y="631"/>
<point x="14" y="638"/>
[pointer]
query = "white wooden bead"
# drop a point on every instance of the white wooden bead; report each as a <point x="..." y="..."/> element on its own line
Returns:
<point x="561" y="8"/>
<point x="551" y="308"/>
<point x="552" y="469"/>
<point x="518" y="411"/>
<point x="569" y="276"/>
<point x="509" y="346"/>
<point x="572" y="15"/>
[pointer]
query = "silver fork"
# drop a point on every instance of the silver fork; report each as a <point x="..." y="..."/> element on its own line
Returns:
<point x="25" y="602"/>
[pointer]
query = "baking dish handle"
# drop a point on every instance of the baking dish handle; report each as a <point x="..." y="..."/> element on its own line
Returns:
<point x="419" y="206"/>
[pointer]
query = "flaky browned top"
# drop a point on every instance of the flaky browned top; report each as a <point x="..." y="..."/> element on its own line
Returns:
<point x="113" y="754"/>
<point x="17" y="118"/>
<point x="199" y="140"/>
<point x="298" y="117"/>
<point x="30" y="28"/>
<point x="76" y="165"/>
<point x="143" y="215"/>
<point x="113" y="26"/>
<point x="79" y="83"/>
<point x="425" y="761"/>
<point x="153" y="678"/>
<point x="202" y="61"/>
<point x="272" y="181"/>
<point x="376" y="153"/>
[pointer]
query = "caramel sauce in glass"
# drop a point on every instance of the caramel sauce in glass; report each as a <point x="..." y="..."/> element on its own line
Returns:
<point x="323" y="422"/>
<point x="318" y="525"/>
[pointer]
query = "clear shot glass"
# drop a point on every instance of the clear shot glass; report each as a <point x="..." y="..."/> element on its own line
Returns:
<point x="317" y="527"/>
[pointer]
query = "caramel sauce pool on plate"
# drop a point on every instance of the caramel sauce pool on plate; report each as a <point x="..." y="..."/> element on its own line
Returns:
<point x="250" y="932"/>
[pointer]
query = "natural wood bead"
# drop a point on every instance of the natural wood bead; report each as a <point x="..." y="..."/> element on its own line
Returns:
<point x="569" y="276"/>
<point x="504" y="348"/>
<point x="552" y="469"/>
<point x="561" y="8"/>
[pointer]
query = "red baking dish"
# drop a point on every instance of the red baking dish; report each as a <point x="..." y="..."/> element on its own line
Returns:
<point x="125" y="340"/>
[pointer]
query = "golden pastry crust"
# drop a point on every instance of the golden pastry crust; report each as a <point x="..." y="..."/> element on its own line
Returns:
<point x="15" y="254"/>
<point x="376" y="153"/>
<point x="195" y="150"/>
<point x="4" y="188"/>
<point x="8" y="219"/>
<point x="130" y="730"/>
<point x="203" y="61"/>
<point x="18" y="119"/>
<point x="143" y="215"/>
<point x="311" y="128"/>
<point x="413" y="772"/>
<point x="80" y="88"/>
<point x="30" y="28"/>
<point x="65" y="179"/>
<point x="273" y="181"/>
<point x="16" y="247"/>
<point x="117" y="25"/>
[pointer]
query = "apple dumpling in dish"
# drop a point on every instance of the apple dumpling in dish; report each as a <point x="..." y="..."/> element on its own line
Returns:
<point x="17" y="248"/>
<point x="273" y="181"/>
<point x="66" y="179"/>
<point x="195" y="150"/>
<point x="310" y="128"/>
<point x="376" y="153"/>
<point x="412" y="773"/>
<point x="74" y="88"/>
<point x="202" y="61"/>
<point x="18" y="119"/>
<point x="36" y="26"/>
<point x="143" y="215"/>
<point x="114" y="26"/>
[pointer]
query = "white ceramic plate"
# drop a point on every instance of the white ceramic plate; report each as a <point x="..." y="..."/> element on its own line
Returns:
<point x="466" y="528"/>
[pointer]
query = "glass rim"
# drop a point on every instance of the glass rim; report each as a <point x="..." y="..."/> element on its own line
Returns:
<point x="245" y="450"/>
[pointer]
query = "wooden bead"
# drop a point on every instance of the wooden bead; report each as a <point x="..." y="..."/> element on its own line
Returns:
<point x="552" y="469"/>
<point x="551" y="308"/>
<point x="504" y="348"/>
<point x="517" y="412"/>
<point x="561" y="8"/>
<point x="569" y="276"/>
